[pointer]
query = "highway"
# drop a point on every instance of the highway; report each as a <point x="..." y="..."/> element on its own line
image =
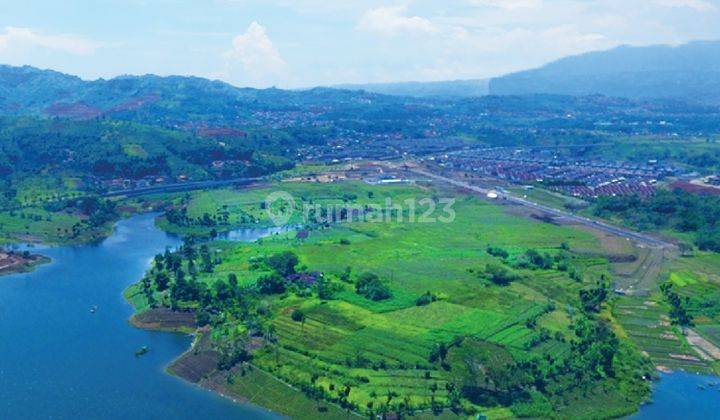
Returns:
<point x="157" y="189"/>
<point x="184" y="186"/>
<point x="602" y="226"/>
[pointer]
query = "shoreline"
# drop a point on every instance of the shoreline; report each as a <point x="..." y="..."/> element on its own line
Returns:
<point x="25" y="265"/>
<point x="197" y="366"/>
<point x="166" y="320"/>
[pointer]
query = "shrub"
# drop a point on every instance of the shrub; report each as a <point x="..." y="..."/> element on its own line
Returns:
<point x="425" y="299"/>
<point x="283" y="263"/>
<point x="370" y="286"/>
<point x="298" y="315"/>
<point x="709" y="240"/>
<point x="497" y="252"/>
<point x="499" y="274"/>
<point x="271" y="284"/>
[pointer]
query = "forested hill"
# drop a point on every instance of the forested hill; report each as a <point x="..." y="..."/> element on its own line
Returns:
<point x="689" y="72"/>
<point x="173" y="100"/>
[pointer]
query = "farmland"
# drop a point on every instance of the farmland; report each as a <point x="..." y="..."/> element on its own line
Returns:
<point x="441" y="311"/>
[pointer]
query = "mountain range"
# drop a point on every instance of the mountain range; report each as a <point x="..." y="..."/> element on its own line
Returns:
<point x="28" y="91"/>
<point x="690" y="72"/>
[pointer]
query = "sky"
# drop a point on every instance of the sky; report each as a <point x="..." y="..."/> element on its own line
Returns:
<point x="304" y="43"/>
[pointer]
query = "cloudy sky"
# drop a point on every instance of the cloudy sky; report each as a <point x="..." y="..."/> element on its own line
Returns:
<point x="299" y="43"/>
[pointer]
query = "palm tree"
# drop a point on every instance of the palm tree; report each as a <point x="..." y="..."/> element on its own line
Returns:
<point x="271" y="337"/>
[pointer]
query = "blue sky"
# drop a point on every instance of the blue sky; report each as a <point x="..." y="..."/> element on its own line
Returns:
<point x="304" y="43"/>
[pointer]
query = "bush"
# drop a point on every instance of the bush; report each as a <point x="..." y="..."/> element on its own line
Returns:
<point x="271" y="284"/>
<point x="535" y="260"/>
<point x="426" y="299"/>
<point x="283" y="263"/>
<point x="370" y="286"/>
<point x="709" y="240"/>
<point x="499" y="274"/>
<point x="497" y="252"/>
<point x="298" y="315"/>
<point x="592" y="297"/>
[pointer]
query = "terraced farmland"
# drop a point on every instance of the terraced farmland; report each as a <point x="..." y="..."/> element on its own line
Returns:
<point x="414" y="349"/>
<point x="646" y="323"/>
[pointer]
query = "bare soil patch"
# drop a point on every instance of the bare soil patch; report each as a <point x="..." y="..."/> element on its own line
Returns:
<point x="197" y="363"/>
<point x="12" y="262"/>
<point x="165" y="319"/>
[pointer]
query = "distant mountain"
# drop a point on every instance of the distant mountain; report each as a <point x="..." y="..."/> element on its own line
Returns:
<point x="447" y="89"/>
<point x="172" y="100"/>
<point x="690" y="72"/>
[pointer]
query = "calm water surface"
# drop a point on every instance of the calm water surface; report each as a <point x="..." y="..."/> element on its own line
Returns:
<point x="57" y="360"/>
<point x="683" y="396"/>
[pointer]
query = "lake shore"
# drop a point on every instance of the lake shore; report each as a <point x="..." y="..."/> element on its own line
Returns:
<point x="198" y="366"/>
<point x="13" y="263"/>
<point x="79" y="312"/>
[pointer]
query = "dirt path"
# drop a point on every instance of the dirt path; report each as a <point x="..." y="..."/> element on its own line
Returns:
<point x="708" y="350"/>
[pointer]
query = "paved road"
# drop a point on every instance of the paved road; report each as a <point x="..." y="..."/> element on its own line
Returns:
<point x="184" y="186"/>
<point x="602" y="226"/>
<point x="157" y="189"/>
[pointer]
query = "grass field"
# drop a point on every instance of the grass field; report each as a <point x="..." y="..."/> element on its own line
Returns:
<point x="243" y="207"/>
<point x="264" y="390"/>
<point x="376" y="352"/>
<point x="35" y="224"/>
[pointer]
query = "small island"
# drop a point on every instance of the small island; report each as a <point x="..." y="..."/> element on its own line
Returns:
<point x="17" y="262"/>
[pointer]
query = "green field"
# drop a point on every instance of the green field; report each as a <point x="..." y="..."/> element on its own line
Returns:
<point x="372" y="356"/>
<point x="35" y="224"/>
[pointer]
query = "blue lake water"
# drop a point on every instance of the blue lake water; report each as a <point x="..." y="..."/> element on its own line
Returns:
<point x="57" y="360"/>
<point x="683" y="396"/>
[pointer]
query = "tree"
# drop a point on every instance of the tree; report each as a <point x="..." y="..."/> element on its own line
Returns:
<point x="298" y="316"/>
<point x="271" y="284"/>
<point x="369" y="285"/>
<point x="283" y="263"/>
<point x="425" y="299"/>
<point x="162" y="281"/>
<point x="327" y="289"/>
<point x="499" y="274"/>
<point x="232" y="349"/>
<point x="497" y="252"/>
<point x="591" y="298"/>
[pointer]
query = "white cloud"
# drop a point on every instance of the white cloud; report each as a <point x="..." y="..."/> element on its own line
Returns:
<point x="253" y="59"/>
<point x="508" y="4"/>
<point x="698" y="5"/>
<point x="20" y="38"/>
<point x="392" y="20"/>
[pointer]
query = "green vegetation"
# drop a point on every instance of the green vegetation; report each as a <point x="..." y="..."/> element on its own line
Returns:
<point x="203" y="213"/>
<point x="64" y="221"/>
<point x="398" y="317"/>
<point x="262" y="389"/>
<point x="46" y="165"/>
<point x="676" y="210"/>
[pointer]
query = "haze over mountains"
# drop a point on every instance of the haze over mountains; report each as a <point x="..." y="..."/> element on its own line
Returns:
<point x="451" y="88"/>
<point x="28" y="91"/>
<point x="689" y="72"/>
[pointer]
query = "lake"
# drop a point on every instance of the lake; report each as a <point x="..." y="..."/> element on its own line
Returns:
<point x="58" y="360"/>
<point x="683" y="396"/>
